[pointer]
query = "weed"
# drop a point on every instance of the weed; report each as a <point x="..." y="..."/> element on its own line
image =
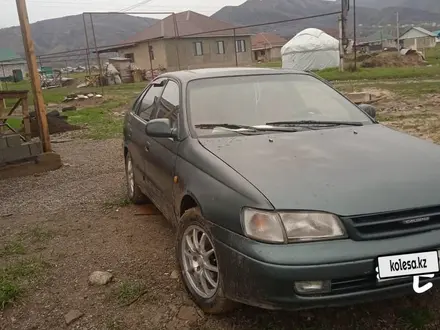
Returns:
<point x="129" y="291"/>
<point x="13" y="276"/>
<point x="12" y="248"/>
<point x="414" y="319"/>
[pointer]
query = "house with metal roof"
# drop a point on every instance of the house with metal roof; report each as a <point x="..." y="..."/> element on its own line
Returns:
<point x="12" y="67"/>
<point x="437" y="33"/>
<point x="267" y="46"/>
<point x="187" y="40"/>
<point x="418" y="38"/>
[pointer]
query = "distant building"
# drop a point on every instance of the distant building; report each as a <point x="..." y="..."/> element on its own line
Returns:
<point x="267" y="46"/>
<point x="418" y="38"/>
<point x="376" y="42"/>
<point x="187" y="40"/>
<point x="437" y="33"/>
<point x="11" y="65"/>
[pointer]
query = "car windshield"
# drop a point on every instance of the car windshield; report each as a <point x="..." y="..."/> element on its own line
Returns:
<point x="265" y="101"/>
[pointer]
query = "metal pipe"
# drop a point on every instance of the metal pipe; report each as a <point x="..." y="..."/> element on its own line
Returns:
<point x="97" y="55"/>
<point x="87" y="43"/>
<point x="235" y="48"/>
<point x="354" y="37"/>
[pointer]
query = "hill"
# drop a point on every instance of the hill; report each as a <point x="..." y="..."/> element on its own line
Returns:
<point x="370" y="14"/>
<point x="67" y="33"/>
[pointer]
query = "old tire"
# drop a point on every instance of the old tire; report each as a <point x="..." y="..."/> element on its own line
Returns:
<point x="199" y="269"/>
<point x="134" y="194"/>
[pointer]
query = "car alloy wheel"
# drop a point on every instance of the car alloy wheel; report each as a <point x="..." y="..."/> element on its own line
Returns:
<point x="199" y="262"/>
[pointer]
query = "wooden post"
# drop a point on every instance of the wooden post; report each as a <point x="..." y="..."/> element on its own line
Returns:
<point x="26" y="120"/>
<point x="40" y="108"/>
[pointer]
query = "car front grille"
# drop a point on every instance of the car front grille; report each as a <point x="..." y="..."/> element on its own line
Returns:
<point x="393" y="224"/>
<point x="369" y="282"/>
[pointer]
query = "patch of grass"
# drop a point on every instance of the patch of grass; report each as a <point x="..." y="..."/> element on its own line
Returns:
<point x="433" y="55"/>
<point x="38" y="235"/>
<point x="99" y="121"/>
<point x="129" y="290"/>
<point x="115" y="324"/>
<point x="122" y="202"/>
<point x="381" y="73"/>
<point x="13" y="276"/>
<point x="274" y="64"/>
<point x="413" y="319"/>
<point x="12" y="248"/>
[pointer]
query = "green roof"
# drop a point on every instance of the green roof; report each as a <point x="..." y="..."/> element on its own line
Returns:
<point x="7" y="54"/>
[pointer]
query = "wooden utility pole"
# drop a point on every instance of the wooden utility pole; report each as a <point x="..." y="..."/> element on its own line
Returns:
<point x="40" y="108"/>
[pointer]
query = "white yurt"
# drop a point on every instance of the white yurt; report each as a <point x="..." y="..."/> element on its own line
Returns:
<point x="311" y="49"/>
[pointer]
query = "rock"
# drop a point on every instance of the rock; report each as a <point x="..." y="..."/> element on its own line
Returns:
<point x="90" y="95"/>
<point x="72" y="316"/>
<point x="72" y="108"/>
<point x="174" y="274"/>
<point x="98" y="96"/>
<point x="100" y="278"/>
<point x="188" y="313"/>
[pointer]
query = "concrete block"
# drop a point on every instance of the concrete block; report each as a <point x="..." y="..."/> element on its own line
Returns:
<point x="3" y="142"/>
<point x="45" y="162"/>
<point x="15" y="154"/>
<point x="35" y="148"/>
<point x="13" y="140"/>
<point x="359" y="98"/>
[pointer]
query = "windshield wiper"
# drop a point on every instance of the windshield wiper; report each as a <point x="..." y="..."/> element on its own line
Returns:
<point x="247" y="127"/>
<point x="315" y="122"/>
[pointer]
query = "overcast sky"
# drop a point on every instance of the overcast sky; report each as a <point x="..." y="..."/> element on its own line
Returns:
<point x="43" y="9"/>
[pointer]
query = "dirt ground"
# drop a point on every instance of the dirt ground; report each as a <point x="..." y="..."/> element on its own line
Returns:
<point x="59" y="227"/>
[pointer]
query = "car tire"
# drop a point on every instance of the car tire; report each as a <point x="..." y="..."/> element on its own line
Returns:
<point x="215" y="302"/>
<point x="134" y="194"/>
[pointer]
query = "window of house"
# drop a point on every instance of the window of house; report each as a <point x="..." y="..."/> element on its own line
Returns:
<point x="169" y="103"/>
<point x="198" y="48"/>
<point x="220" y="47"/>
<point x="130" y="56"/>
<point x="148" y="103"/>
<point x="240" y="45"/>
<point x="150" y="50"/>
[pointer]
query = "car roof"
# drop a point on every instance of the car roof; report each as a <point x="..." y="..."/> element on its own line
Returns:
<point x="188" y="75"/>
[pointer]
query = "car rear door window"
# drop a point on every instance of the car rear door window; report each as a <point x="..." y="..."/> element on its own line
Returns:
<point x="148" y="103"/>
<point x="169" y="103"/>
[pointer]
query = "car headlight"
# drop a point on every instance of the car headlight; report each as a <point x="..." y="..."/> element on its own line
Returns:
<point x="291" y="226"/>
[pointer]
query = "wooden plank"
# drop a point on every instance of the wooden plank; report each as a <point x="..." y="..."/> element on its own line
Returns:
<point x="26" y="120"/>
<point x="13" y="94"/>
<point x="2" y="112"/>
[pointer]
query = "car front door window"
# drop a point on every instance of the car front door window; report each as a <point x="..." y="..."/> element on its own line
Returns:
<point x="169" y="103"/>
<point x="148" y="103"/>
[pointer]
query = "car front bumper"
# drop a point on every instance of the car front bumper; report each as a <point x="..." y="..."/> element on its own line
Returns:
<point x="264" y="275"/>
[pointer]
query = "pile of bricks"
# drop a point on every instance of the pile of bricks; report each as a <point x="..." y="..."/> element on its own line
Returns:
<point x="13" y="150"/>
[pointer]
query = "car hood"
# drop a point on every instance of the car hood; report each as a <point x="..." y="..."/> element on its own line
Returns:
<point x="345" y="171"/>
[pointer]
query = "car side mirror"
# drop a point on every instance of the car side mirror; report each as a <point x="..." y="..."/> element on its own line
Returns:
<point x="160" y="127"/>
<point x="369" y="109"/>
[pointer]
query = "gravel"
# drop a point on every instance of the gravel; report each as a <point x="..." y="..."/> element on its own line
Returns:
<point x="93" y="172"/>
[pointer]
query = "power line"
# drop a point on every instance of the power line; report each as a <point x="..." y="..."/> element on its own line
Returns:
<point x="135" y="5"/>
<point x="60" y="54"/>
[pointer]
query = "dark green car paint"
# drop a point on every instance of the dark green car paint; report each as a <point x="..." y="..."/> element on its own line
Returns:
<point x="348" y="171"/>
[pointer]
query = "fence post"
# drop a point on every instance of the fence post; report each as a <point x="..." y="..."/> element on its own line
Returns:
<point x="235" y="48"/>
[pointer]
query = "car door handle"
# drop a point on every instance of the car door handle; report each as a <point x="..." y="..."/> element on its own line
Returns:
<point x="147" y="147"/>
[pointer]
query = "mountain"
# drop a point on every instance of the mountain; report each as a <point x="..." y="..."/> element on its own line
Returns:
<point x="370" y="14"/>
<point x="67" y="33"/>
<point x="424" y="5"/>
